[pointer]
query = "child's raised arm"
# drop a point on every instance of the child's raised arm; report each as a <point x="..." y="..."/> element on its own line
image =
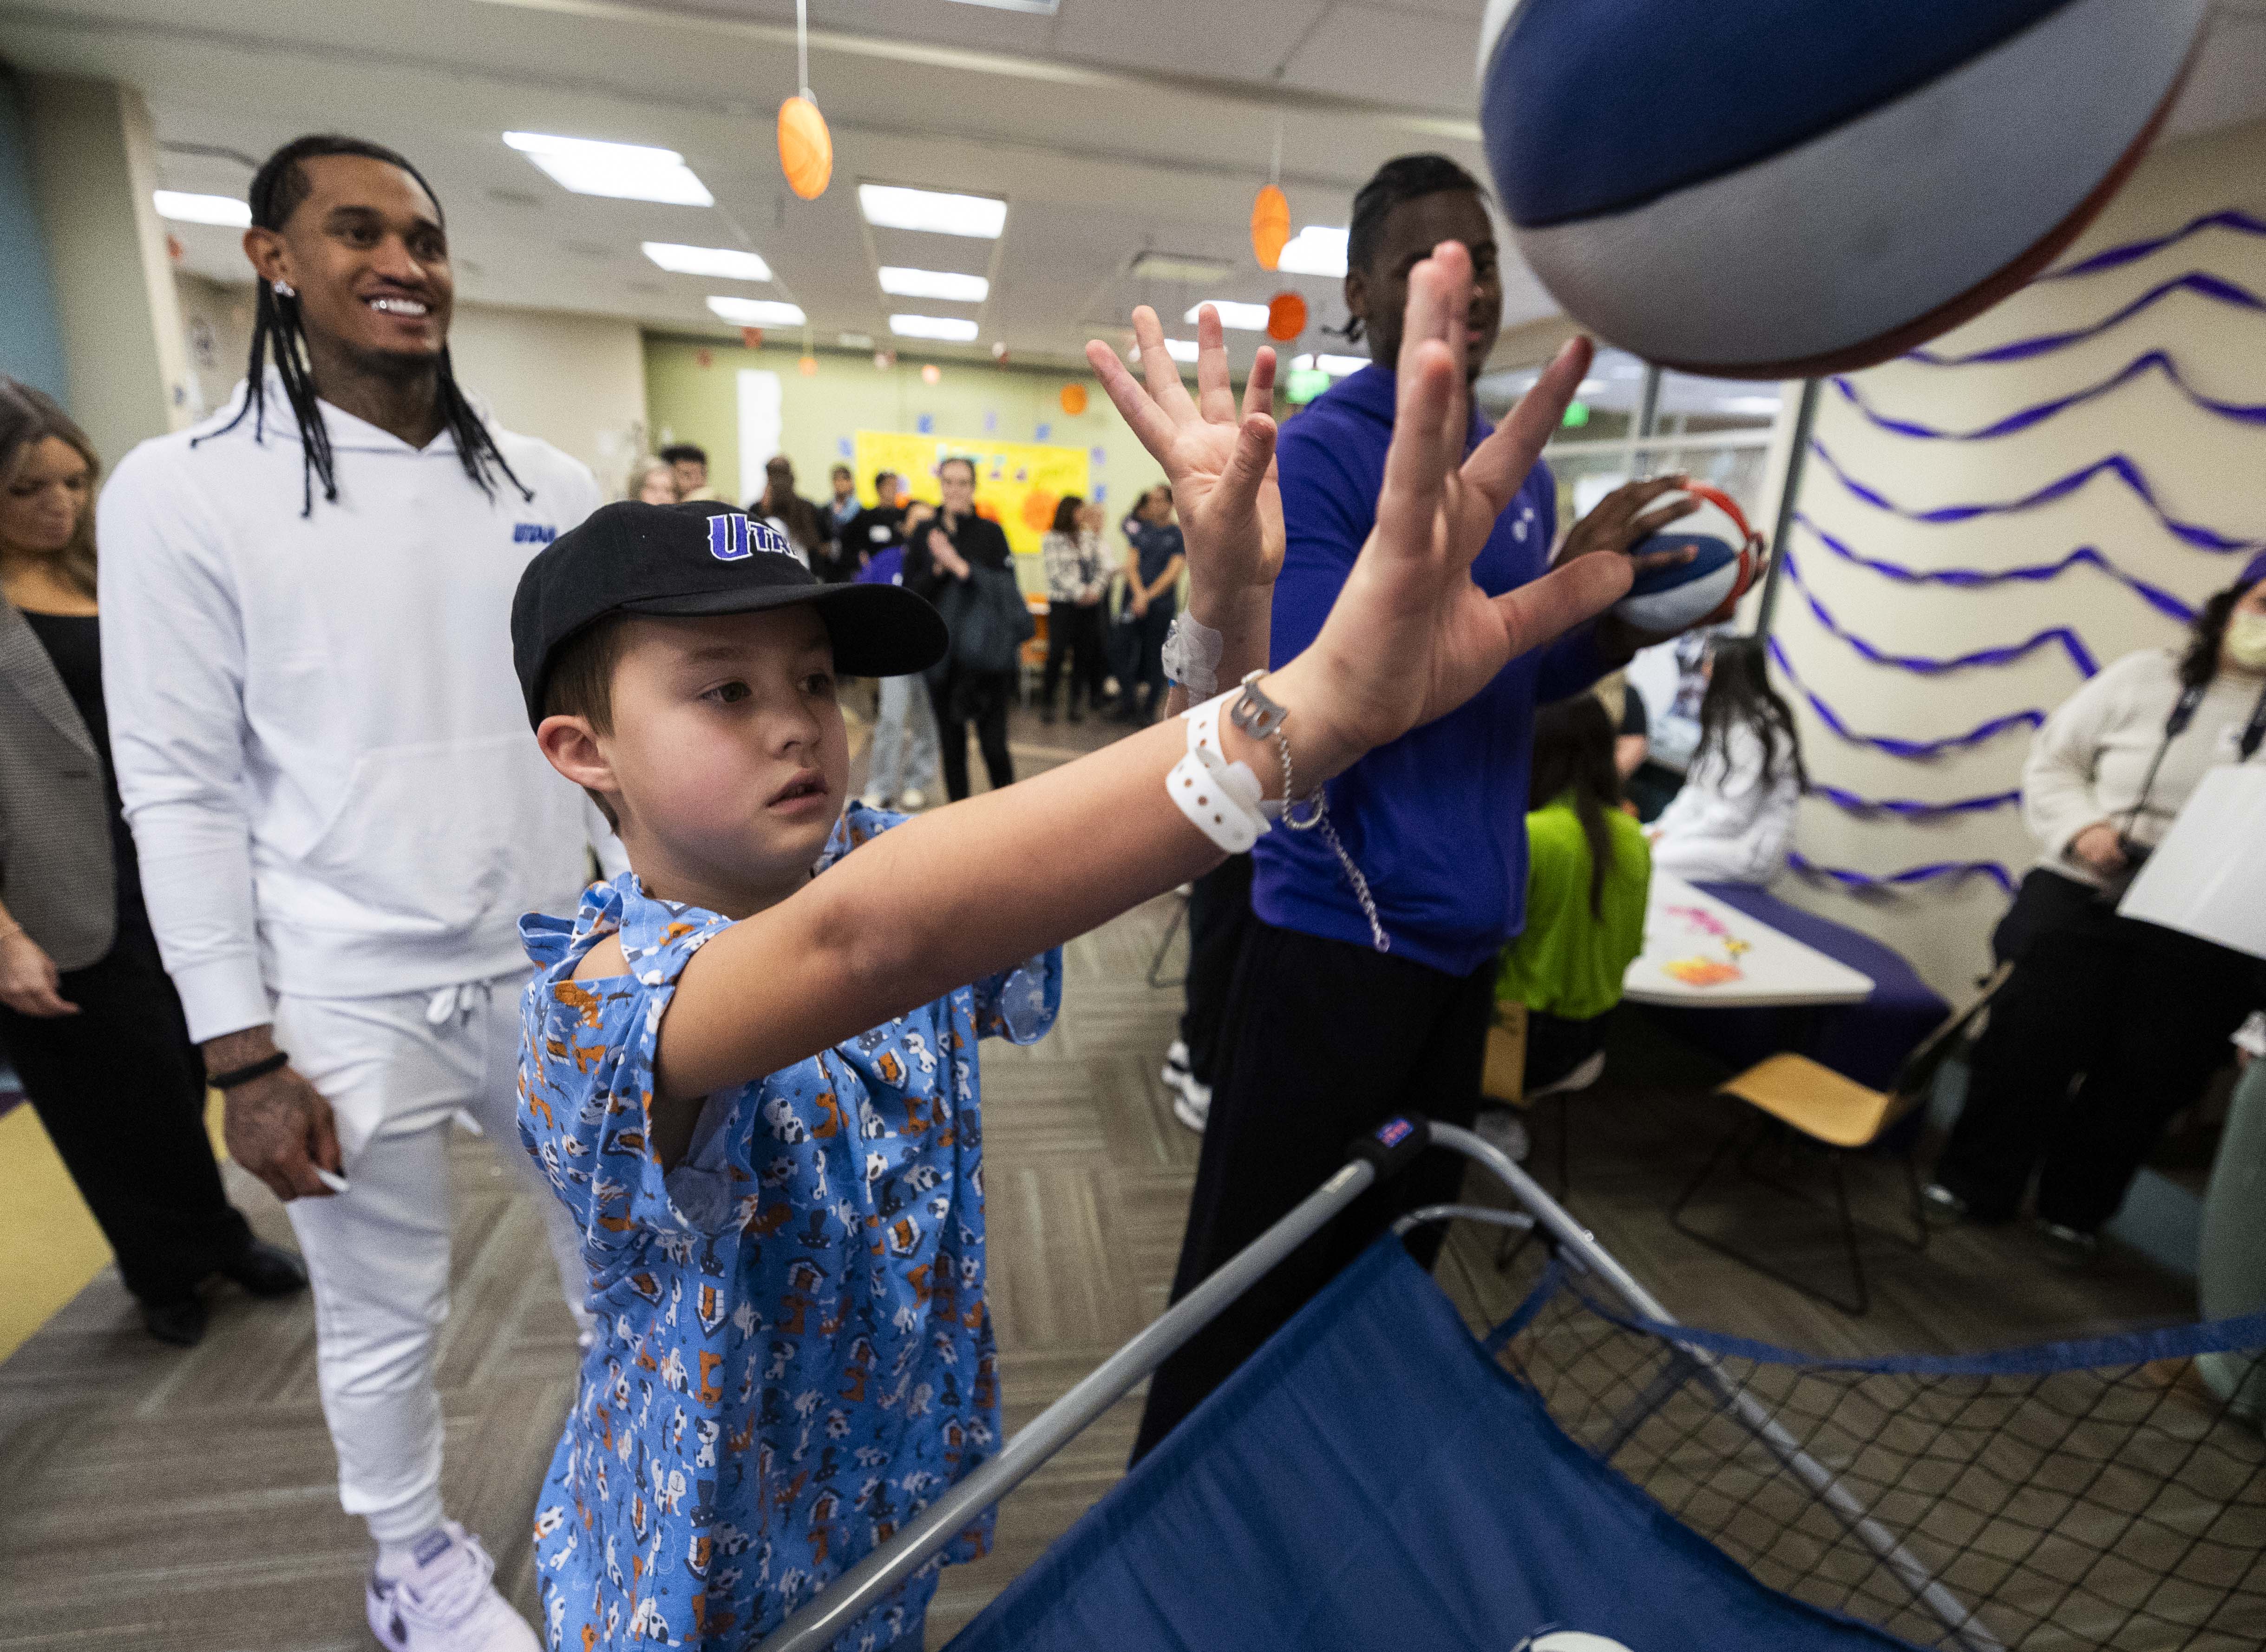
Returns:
<point x="965" y="891"/>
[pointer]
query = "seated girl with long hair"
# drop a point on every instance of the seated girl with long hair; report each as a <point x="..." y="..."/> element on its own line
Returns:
<point x="1733" y="822"/>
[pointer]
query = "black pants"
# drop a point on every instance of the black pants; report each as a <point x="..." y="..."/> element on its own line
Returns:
<point x="1219" y="915"/>
<point x="1148" y="661"/>
<point x="121" y="1092"/>
<point x="2136" y="1016"/>
<point x="980" y="698"/>
<point x="1074" y="639"/>
<point x="1324" y="1040"/>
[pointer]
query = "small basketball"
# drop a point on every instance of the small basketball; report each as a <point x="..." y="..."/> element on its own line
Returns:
<point x="1706" y="590"/>
<point x="1785" y="189"/>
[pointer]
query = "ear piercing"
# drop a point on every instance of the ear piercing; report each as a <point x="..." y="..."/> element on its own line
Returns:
<point x="284" y="289"/>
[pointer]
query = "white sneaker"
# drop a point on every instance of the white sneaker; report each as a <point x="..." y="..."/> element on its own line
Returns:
<point x="912" y="797"/>
<point x="1192" y="1103"/>
<point x="874" y="799"/>
<point x="1504" y="1131"/>
<point x="446" y="1601"/>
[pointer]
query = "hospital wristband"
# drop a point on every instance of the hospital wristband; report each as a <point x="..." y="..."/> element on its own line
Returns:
<point x="1222" y="800"/>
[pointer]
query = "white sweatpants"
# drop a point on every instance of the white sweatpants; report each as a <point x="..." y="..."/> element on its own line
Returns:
<point x="396" y="1071"/>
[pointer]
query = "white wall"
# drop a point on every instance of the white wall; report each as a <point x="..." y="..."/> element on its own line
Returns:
<point x="576" y="381"/>
<point x="2204" y="469"/>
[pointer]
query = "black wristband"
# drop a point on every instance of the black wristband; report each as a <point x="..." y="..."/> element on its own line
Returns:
<point x="259" y="1068"/>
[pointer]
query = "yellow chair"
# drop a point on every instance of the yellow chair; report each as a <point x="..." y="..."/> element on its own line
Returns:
<point x="1800" y="1100"/>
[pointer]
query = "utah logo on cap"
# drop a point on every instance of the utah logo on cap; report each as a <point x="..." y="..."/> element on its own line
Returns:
<point x="733" y="538"/>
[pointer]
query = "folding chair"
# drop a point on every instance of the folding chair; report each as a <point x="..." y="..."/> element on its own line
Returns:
<point x="1794" y="1096"/>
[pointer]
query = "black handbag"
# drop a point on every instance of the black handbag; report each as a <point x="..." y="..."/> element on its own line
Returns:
<point x="989" y="621"/>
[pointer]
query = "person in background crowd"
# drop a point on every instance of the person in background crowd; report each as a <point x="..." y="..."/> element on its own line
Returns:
<point x="900" y="769"/>
<point x="958" y="542"/>
<point x="1077" y="585"/>
<point x="692" y="466"/>
<point x="1392" y="979"/>
<point x="653" y="481"/>
<point x="795" y="516"/>
<point x="836" y="516"/>
<point x="322" y="752"/>
<point x="1633" y="742"/>
<point x="880" y="525"/>
<point x="1154" y="557"/>
<point x="1733" y="821"/>
<point x="88" y="1014"/>
<point x="1587" y="871"/>
<point x="2108" y="1025"/>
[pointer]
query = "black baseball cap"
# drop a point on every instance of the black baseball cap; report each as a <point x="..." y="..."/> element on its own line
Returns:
<point x="703" y="557"/>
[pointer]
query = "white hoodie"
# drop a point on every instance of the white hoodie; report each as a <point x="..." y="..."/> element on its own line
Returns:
<point x="317" y="733"/>
<point x="1725" y="826"/>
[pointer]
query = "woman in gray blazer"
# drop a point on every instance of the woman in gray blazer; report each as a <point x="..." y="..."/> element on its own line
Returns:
<point x="86" y="1010"/>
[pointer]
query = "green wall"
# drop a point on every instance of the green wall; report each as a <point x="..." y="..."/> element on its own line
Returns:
<point x="686" y="401"/>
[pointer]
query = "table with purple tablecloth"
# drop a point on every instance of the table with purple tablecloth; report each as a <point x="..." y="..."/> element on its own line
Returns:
<point x="1867" y="1040"/>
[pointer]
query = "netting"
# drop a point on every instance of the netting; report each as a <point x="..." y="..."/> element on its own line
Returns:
<point x="2083" y="1495"/>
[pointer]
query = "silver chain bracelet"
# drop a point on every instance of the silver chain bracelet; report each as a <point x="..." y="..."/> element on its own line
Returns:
<point x="1258" y="716"/>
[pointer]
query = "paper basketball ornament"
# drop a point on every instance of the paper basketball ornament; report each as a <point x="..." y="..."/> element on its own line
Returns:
<point x="1286" y="317"/>
<point x="806" y="148"/>
<point x="1270" y="226"/>
<point x="808" y="366"/>
<point x="1073" y="400"/>
<point x="1801" y="187"/>
<point x="931" y="374"/>
<point x="1706" y="588"/>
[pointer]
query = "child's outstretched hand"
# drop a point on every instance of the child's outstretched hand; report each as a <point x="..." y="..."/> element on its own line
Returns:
<point x="1220" y="465"/>
<point x="1411" y="636"/>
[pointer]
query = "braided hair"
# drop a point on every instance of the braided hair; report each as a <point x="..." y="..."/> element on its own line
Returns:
<point x="1404" y="178"/>
<point x="277" y="189"/>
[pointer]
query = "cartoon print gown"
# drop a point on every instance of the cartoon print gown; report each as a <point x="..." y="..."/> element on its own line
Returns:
<point x="792" y="1355"/>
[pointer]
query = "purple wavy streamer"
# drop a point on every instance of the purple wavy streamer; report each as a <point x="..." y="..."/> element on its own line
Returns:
<point x="1926" y="665"/>
<point x="2132" y="251"/>
<point x="2157" y="598"/>
<point x="1849" y="878"/>
<point x="1910" y="808"/>
<point x="2116" y="464"/>
<point x="2198" y="282"/>
<point x="2242" y="413"/>
<point x="1918" y="751"/>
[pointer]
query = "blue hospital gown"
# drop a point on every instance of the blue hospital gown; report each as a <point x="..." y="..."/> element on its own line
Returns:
<point x="792" y="1355"/>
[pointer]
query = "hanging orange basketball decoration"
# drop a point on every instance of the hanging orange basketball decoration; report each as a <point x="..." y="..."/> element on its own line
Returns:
<point x="1073" y="400"/>
<point x="1270" y="226"/>
<point x="931" y="374"/>
<point x="806" y="148"/>
<point x="752" y="337"/>
<point x="809" y="366"/>
<point x="1286" y="317"/>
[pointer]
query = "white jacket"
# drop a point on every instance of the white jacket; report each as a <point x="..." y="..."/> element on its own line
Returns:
<point x="318" y="733"/>
<point x="2090" y="760"/>
<point x="1726" y="826"/>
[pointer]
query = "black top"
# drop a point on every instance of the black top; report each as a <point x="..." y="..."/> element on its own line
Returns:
<point x="870" y="532"/>
<point x="1633" y="720"/>
<point x="982" y="544"/>
<point x="74" y="643"/>
<point x="1155" y="544"/>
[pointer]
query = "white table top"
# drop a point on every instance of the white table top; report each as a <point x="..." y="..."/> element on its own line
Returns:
<point x="1700" y="953"/>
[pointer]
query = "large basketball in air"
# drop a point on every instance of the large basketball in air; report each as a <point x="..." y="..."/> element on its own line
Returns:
<point x="1782" y="188"/>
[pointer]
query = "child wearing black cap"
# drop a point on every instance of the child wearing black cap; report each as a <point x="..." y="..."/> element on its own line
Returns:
<point x="751" y="1066"/>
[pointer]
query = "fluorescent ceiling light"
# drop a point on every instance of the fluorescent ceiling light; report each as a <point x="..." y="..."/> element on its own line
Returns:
<point x="1336" y="365"/>
<point x="1179" y="266"/>
<point x="1316" y="250"/>
<point x="758" y="312"/>
<point x="888" y="207"/>
<point x="1178" y="350"/>
<point x="1749" y="404"/>
<point x="222" y="209"/>
<point x="626" y="171"/>
<point x="1037" y="8"/>
<point x="934" y="283"/>
<point x="731" y="263"/>
<point x="1242" y="317"/>
<point x="956" y="329"/>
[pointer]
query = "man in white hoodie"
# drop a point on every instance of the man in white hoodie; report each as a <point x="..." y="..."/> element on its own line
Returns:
<point x="323" y="755"/>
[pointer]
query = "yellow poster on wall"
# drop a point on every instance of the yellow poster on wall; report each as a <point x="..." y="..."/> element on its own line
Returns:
<point x="1017" y="483"/>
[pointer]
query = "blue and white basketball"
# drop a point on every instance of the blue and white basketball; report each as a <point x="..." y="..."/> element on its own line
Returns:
<point x="1785" y="189"/>
<point x="1707" y="588"/>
